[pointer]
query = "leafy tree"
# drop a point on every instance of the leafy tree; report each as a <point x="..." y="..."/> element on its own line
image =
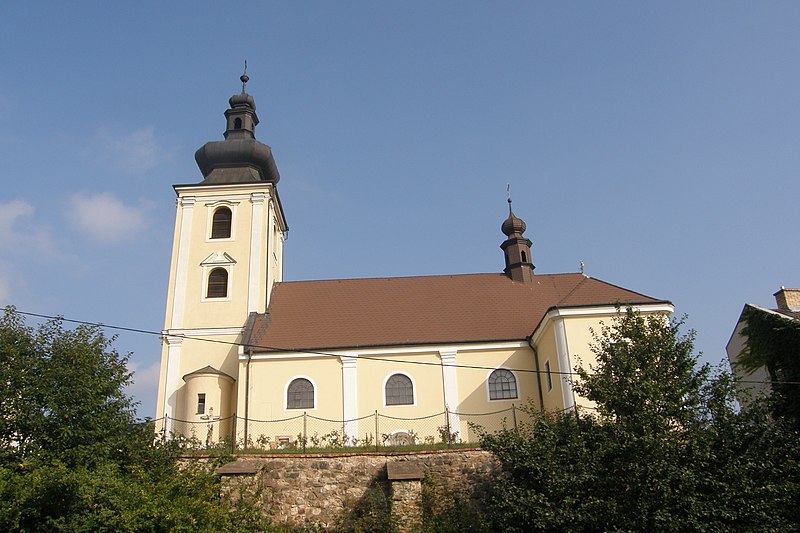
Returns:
<point x="71" y="456"/>
<point x="62" y="391"/>
<point x="645" y="373"/>
<point x="773" y="341"/>
<point x="665" y="449"/>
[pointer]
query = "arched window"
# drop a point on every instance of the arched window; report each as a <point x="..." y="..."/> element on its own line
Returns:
<point x="300" y="394"/>
<point x="221" y="223"/>
<point x="502" y="385"/>
<point x="217" y="283"/>
<point x="237" y="124"/>
<point x="399" y="390"/>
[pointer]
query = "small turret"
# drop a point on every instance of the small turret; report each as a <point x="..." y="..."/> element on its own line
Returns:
<point x="517" y="248"/>
<point x="240" y="158"/>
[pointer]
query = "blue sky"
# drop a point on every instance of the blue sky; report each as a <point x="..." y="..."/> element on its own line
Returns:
<point x="658" y="143"/>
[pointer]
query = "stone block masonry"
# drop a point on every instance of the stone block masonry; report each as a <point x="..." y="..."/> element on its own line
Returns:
<point x="325" y="490"/>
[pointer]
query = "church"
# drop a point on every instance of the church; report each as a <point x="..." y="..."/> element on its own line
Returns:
<point x="242" y="347"/>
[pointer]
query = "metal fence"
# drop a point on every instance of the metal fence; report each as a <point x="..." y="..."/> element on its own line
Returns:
<point x="305" y="432"/>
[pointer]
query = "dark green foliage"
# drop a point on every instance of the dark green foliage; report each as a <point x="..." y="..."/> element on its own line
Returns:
<point x="71" y="458"/>
<point x="665" y="451"/>
<point x="774" y="341"/>
<point x="645" y="373"/>
<point x="373" y="513"/>
<point x="62" y="392"/>
<point x="445" y="511"/>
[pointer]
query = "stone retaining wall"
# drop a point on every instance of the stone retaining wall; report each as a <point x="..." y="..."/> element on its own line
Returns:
<point x="326" y="489"/>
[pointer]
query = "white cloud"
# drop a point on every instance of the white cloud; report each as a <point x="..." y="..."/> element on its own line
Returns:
<point x="105" y="218"/>
<point x="17" y="229"/>
<point x="10" y="213"/>
<point x="134" y="153"/>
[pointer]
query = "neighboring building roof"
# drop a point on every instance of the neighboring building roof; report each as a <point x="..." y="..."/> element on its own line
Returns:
<point x="787" y="313"/>
<point x="351" y="313"/>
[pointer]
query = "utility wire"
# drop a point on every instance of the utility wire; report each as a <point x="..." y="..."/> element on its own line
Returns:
<point x="328" y="354"/>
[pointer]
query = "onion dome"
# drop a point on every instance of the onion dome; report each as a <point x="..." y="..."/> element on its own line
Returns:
<point x="240" y="158"/>
<point x="512" y="224"/>
<point x="242" y="99"/>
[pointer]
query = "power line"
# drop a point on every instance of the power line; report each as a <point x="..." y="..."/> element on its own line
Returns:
<point x="328" y="354"/>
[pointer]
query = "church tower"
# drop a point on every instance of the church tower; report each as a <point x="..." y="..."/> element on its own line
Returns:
<point x="227" y="254"/>
<point x="516" y="248"/>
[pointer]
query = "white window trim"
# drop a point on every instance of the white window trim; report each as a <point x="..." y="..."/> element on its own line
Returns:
<point x="211" y="207"/>
<point x="286" y="395"/>
<point x="413" y="391"/>
<point x="488" y="392"/>
<point x="205" y="403"/>
<point x="206" y="273"/>
<point x="548" y="375"/>
<point x="217" y="260"/>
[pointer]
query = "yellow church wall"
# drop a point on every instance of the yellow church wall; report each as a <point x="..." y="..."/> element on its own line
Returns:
<point x="473" y="385"/>
<point x="270" y="378"/>
<point x="473" y="389"/>
<point x="428" y="396"/>
<point x="173" y="262"/>
<point x="221" y="354"/>
<point x="426" y="378"/>
<point x="231" y="310"/>
<point x="579" y="338"/>
<point x="218" y="407"/>
<point x="548" y="353"/>
<point x="199" y="311"/>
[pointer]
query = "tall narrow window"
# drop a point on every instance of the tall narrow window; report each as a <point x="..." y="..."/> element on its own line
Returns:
<point x="547" y="376"/>
<point x="201" y="403"/>
<point x="300" y="394"/>
<point x="502" y="385"/>
<point x="237" y="124"/>
<point x="221" y="224"/>
<point x="399" y="390"/>
<point x="217" y="283"/>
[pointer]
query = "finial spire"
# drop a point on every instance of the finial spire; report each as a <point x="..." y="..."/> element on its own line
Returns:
<point x="244" y="77"/>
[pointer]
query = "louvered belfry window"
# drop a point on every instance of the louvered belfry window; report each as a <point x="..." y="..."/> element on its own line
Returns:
<point x="217" y="283"/>
<point x="221" y="224"/>
<point x="502" y="385"/>
<point x="399" y="390"/>
<point x="300" y="394"/>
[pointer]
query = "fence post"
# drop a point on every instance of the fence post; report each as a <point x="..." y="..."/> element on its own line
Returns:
<point x="514" y="415"/>
<point x="376" y="430"/>
<point x="305" y="430"/>
<point x="233" y="434"/>
<point x="447" y="425"/>
<point x="164" y="428"/>
<point x="246" y="436"/>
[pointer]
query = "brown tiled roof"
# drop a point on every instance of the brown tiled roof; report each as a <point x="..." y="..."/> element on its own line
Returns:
<point x="351" y="313"/>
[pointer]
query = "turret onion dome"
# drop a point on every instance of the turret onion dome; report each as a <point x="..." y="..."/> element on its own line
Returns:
<point x="512" y="225"/>
<point x="240" y="158"/>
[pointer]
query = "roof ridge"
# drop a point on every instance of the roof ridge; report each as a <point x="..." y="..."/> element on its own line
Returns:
<point x="422" y="276"/>
<point x="575" y="288"/>
<point x="393" y="277"/>
<point x="627" y="290"/>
